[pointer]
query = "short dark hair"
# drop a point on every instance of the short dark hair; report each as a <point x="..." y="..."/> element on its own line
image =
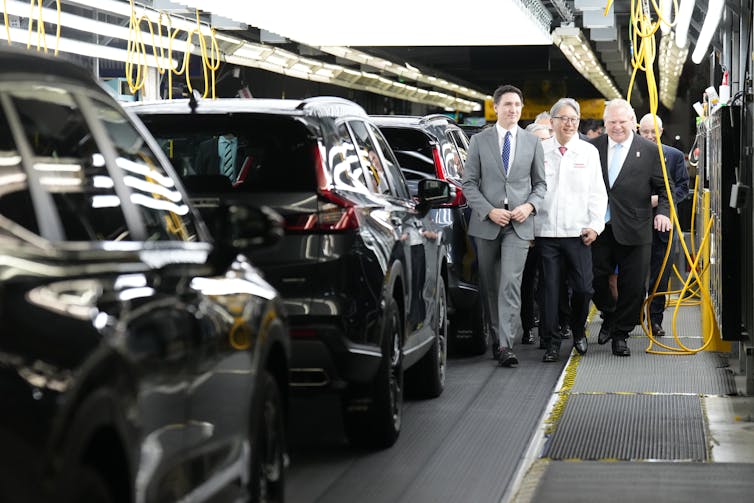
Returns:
<point x="506" y="88"/>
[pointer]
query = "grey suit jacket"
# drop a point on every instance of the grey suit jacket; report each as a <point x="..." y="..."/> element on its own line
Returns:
<point x="486" y="185"/>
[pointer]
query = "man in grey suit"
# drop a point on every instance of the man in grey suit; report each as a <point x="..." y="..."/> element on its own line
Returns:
<point x="632" y="172"/>
<point x="504" y="181"/>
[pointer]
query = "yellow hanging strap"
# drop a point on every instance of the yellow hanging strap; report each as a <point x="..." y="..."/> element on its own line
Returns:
<point x="643" y="55"/>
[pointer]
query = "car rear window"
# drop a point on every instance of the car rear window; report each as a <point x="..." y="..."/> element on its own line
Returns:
<point x="251" y="152"/>
<point x="54" y="138"/>
<point x="412" y="148"/>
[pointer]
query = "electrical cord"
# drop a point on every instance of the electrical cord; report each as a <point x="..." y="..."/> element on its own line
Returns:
<point x="643" y="54"/>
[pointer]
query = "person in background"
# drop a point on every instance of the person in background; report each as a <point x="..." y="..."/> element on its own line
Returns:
<point x="570" y="218"/>
<point x="529" y="316"/>
<point x="543" y="119"/>
<point x="593" y="128"/>
<point x="504" y="181"/>
<point x="632" y="173"/>
<point x="675" y="166"/>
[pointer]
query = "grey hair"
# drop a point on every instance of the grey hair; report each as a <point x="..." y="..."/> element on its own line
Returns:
<point x="533" y="128"/>
<point x="563" y="102"/>
<point x="648" y="118"/>
<point x="620" y="103"/>
<point x="542" y="115"/>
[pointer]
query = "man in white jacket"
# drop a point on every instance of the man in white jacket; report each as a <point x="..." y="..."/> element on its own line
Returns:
<point x="567" y="222"/>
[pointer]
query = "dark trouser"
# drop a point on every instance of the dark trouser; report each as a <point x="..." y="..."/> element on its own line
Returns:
<point x="577" y="258"/>
<point x="633" y="265"/>
<point x="564" y="305"/>
<point x="659" y="245"/>
<point x="528" y="289"/>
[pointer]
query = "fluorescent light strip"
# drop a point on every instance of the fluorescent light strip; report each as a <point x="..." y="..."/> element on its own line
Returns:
<point x="401" y="71"/>
<point x="255" y="54"/>
<point x="709" y="27"/>
<point x="683" y="19"/>
<point x="88" y="25"/>
<point x="123" y="8"/>
<point x="20" y="36"/>
<point x="575" y="47"/>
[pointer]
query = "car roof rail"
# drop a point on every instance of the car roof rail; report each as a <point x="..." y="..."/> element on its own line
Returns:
<point x="330" y="106"/>
<point x="431" y="117"/>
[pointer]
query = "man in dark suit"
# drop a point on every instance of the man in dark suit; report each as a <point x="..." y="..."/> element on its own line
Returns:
<point x="675" y="165"/>
<point x="219" y="155"/>
<point x="504" y="181"/>
<point x="632" y="174"/>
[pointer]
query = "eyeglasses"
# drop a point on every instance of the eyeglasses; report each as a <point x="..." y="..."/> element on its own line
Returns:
<point x="568" y="120"/>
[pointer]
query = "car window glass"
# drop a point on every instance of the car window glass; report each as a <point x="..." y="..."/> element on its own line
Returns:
<point x="15" y="201"/>
<point x="163" y="208"/>
<point x="217" y="153"/>
<point x="413" y="150"/>
<point x="68" y="165"/>
<point x="370" y="158"/>
<point x="347" y="169"/>
<point x="452" y="159"/>
<point x="391" y="164"/>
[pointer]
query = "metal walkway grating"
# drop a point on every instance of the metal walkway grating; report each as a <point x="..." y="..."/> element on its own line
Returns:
<point x="705" y="373"/>
<point x="630" y="427"/>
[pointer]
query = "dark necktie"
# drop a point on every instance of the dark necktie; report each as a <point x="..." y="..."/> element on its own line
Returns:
<point x="506" y="150"/>
<point x="227" y="160"/>
<point x="562" y="150"/>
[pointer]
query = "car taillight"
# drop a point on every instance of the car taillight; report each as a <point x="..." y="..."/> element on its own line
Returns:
<point x="439" y="172"/>
<point x="459" y="199"/>
<point x="334" y="213"/>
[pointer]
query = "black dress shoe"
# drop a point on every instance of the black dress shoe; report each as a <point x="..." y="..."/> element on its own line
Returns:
<point x="528" y="337"/>
<point x="507" y="358"/>
<point x="657" y="330"/>
<point x="580" y="344"/>
<point x="620" y="348"/>
<point x="551" y="355"/>
<point x="604" y="334"/>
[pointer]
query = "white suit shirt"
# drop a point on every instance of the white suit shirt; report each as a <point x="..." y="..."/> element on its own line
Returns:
<point x="576" y="197"/>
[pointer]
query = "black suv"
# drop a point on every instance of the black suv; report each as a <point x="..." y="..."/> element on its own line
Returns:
<point x="362" y="268"/>
<point x="139" y="360"/>
<point x="434" y="146"/>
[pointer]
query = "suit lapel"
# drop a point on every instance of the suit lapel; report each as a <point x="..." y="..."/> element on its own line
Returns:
<point x="633" y="153"/>
<point x="493" y="144"/>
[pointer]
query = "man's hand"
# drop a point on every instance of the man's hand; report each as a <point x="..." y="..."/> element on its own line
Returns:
<point x="522" y="212"/>
<point x="500" y="216"/>
<point x="588" y="236"/>
<point x="662" y="223"/>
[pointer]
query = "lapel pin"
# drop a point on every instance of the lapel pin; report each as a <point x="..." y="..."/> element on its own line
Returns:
<point x="638" y="154"/>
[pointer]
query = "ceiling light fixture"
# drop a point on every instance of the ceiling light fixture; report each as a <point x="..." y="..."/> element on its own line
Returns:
<point x="240" y="52"/>
<point x="709" y="27"/>
<point x="87" y="49"/>
<point x="683" y="20"/>
<point x="575" y="47"/>
<point x="670" y="62"/>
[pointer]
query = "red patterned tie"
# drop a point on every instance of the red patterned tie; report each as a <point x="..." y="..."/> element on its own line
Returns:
<point x="562" y="150"/>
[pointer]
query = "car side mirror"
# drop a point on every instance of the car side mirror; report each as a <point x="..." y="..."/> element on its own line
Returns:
<point x="433" y="192"/>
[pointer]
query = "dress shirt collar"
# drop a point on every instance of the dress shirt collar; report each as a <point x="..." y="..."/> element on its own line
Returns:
<point x="501" y="132"/>
<point x="626" y="144"/>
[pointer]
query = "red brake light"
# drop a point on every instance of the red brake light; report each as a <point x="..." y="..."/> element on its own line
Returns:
<point x="439" y="172"/>
<point x="335" y="213"/>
